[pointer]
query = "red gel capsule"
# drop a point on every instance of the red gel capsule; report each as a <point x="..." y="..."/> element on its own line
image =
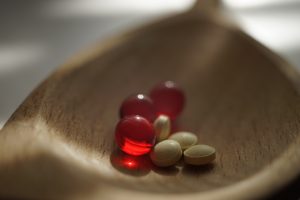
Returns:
<point x="139" y="104"/>
<point x="168" y="99"/>
<point x="135" y="135"/>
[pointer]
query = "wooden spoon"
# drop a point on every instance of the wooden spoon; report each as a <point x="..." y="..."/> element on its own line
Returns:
<point x="241" y="99"/>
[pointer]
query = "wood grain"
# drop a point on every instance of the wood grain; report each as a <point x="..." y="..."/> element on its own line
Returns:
<point x="241" y="99"/>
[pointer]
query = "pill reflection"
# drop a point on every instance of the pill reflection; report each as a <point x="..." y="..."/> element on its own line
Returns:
<point x="132" y="165"/>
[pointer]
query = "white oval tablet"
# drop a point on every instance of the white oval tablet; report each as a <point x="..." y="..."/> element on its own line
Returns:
<point x="185" y="139"/>
<point x="162" y="127"/>
<point x="166" y="153"/>
<point x="199" y="155"/>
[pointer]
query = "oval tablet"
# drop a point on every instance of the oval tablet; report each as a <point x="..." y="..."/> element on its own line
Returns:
<point x="166" y="153"/>
<point x="162" y="127"/>
<point x="185" y="139"/>
<point x="199" y="155"/>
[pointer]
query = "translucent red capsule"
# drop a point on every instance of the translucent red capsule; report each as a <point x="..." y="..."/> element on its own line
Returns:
<point x="168" y="99"/>
<point x="135" y="135"/>
<point x="138" y="104"/>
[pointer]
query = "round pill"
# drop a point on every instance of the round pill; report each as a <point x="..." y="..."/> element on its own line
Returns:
<point x="168" y="99"/>
<point x="162" y="127"/>
<point x="199" y="155"/>
<point x="185" y="139"/>
<point x="138" y="104"/>
<point x="166" y="153"/>
<point x="135" y="135"/>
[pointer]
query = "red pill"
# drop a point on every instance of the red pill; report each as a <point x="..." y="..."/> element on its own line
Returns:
<point x="135" y="135"/>
<point x="168" y="99"/>
<point x="139" y="104"/>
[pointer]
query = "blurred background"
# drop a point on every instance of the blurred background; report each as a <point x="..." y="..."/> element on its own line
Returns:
<point x="37" y="36"/>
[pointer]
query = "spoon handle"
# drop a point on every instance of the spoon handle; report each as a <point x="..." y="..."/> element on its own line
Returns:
<point x="206" y="5"/>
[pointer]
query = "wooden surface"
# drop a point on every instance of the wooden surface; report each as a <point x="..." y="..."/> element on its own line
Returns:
<point x="241" y="99"/>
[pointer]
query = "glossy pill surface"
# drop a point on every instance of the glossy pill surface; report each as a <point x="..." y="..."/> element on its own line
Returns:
<point x="135" y="135"/>
<point x="168" y="99"/>
<point x="138" y="104"/>
<point x="166" y="153"/>
<point x="199" y="155"/>
<point x="162" y="126"/>
<point x="185" y="139"/>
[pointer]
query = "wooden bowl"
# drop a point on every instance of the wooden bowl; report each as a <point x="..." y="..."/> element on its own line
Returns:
<point x="241" y="99"/>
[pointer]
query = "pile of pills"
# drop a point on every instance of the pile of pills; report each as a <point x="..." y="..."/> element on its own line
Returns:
<point x="145" y="127"/>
